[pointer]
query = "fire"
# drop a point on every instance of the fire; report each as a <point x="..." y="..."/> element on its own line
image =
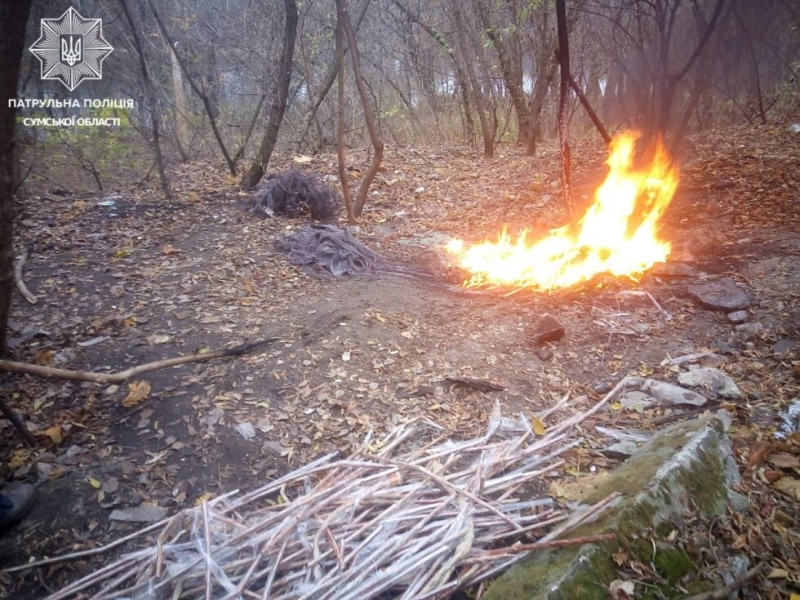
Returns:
<point x="617" y="234"/>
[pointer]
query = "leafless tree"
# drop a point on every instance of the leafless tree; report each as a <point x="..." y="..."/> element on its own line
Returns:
<point x="13" y="18"/>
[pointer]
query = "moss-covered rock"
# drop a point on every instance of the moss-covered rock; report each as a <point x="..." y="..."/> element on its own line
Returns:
<point x="685" y="468"/>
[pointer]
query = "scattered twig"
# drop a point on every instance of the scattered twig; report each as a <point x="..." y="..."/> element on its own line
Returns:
<point x="53" y="373"/>
<point x="18" y="270"/>
<point x="722" y="593"/>
<point x="437" y="517"/>
<point x="664" y="312"/>
<point x="17" y="423"/>
<point x="517" y="548"/>
<point x="679" y="360"/>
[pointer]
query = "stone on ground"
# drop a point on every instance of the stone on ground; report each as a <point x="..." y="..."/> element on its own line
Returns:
<point x="712" y="381"/>
<point x="684" y="469"/>
<point x="720" y="294"/>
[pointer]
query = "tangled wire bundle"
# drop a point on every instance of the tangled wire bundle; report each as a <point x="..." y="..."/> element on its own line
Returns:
<point x="293" y="193"/>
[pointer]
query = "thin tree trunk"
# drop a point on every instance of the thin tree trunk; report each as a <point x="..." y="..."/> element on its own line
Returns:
<point x="461" y="77"/>
<point x="512" y="78"/>
<point x="340" y="125"/>
<point x="150" y="99"/>
<point x="369" y="114"/>
<point x="197" y="90"/>
<point x="563" y="104"/>
<point x="13" y="21"/>
<point x="589" y="110"/>
<point x="330" y="77"/>
<point x="181" y="122"/>
<point x="472" y="81"/>
<point x="256" y="171"/>
<point x="670" y="82"/>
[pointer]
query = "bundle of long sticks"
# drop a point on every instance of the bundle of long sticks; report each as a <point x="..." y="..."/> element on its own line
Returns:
<point x="385" y="522"/>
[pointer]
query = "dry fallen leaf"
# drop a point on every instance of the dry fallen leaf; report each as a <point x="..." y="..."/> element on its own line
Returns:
<point x="538" y="426"/>
<point x="44" y="357"/>
<point x="758" y="451"/>
<point x="55" y="434"/>
<point x="94" y="483"/>
<point x="205" y="497"/>
<point x="782" y="460"/>
<point x="789" y="486"/>
<point x="137" y="391"/>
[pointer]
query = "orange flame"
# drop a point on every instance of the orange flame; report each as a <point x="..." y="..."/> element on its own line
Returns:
<point x="616" y="235"/>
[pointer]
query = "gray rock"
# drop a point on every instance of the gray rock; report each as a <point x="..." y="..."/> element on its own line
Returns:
<point x="602" y="387"/>
<point x="544" y="354"/>
<point x="747" y="331"/>
<point x="727" y="347"/>
<point x="246" y="430"/>
<point x="738" y="316"/>
<point x="720" y="294"/>
<point x="675" y="268"/>
<point x="684" y="470"/>
<point x="637" y="400"/>
<point x="547" y="329"/>
<point x="139" y="514"/>
<point x="711" y="380"/>
<point x="621" y="449"/>
<point x="44" y="470"/>
<point x="783" y="346"/>
<point x="666" y="393"/>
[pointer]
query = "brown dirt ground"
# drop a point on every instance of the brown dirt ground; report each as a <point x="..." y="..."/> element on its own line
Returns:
<point x="160" y="279"/>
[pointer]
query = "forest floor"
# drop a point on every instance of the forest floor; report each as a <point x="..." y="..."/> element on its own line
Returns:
<point x="125" y="278"/>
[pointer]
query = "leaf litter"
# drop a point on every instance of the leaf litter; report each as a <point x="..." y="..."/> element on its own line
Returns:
<point x="200" y="272"/>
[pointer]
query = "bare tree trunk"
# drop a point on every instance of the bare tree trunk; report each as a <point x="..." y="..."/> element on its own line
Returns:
<point x="150" y="99"/>
<point x="563" y="104"/>
<point x="472" y="81"/>
<point x="181" y="121"/>
<point x="330" y="77"/>
<point x="512" y="74"/>
<point x="669" y="82"/>
<point x="340" y="125"/>
<point x="369" y="114"/>
<point x="256" y="171"/>
<point x="197" y="90"/>
<point x="589" y="110"/>
<point x="13" y="22"/>
<point x="461" y="77"/>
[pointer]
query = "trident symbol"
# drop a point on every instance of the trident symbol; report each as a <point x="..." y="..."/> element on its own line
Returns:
<point x="71" y="53"/>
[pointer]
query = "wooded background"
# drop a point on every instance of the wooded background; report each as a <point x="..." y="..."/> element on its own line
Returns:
<point x="211" y="79"/>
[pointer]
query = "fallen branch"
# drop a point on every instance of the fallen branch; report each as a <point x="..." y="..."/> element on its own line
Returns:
<point x="722" y="593"/>
<point x="53" y="373"/>
<point x="519" y="548"/>
<point x="18" y="274"/>
<point x="9" y="414"/>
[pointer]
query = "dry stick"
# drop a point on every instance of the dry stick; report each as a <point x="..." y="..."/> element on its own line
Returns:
<point x="207" y="535"/>
<point x="734" y="585"/>
<point x="579" y="518"/>
<point x="589" y="110"/>
<point x="17" y="423"/>
<point x="86" y="553"/>
<point x="53" y="373"/>
<point x="18" y="268"/>
<point x="578" y="541"/>
<point x="661" y="309"/>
